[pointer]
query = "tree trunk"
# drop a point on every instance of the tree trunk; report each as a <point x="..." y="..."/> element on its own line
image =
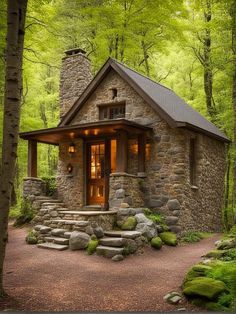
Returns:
<point x="233" y="21"/>
<point x="16" y="12"/>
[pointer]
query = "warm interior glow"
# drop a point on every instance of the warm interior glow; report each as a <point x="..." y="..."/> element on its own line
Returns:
<point x="71" y="148"/>
<point x="148" y="151"/>
<point x="113" y="156"/>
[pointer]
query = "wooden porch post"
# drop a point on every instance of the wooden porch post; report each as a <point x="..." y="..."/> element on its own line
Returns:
<point x="122" y="151"/>
<point x="142" y="139"/>
<point x="32" y="158"/>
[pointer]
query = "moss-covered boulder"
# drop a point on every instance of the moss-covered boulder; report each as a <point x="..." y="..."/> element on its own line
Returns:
<point x="169" y="238"/>
<point x="204" y="287"/>
<point x="129" y="224"/>
<point x="216" y="253"/>
<point x="198" y="270"/>
<point x="31" y="237"/>
<point x="156" y="243"/>
<point x="92" y="245"/>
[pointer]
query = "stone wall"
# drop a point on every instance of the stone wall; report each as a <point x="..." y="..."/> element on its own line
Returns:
<point x="166" y="187"/>
<point x="75" y="77"/>
<point x="125" y="188"/>
<point x="70" y="185"/>
<point x="33" y="187"/>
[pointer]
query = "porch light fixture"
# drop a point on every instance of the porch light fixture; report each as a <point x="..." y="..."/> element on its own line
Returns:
<point x="69" y="168"/>
<point x="71" y="148"/>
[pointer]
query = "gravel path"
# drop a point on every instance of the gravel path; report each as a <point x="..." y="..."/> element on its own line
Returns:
<point x="43" y="280"/>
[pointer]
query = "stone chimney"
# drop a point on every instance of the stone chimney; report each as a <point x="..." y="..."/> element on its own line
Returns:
<point x="75" y="77"/>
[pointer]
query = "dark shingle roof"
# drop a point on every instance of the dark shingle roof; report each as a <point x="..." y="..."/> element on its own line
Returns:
<point x="170" y="106"/>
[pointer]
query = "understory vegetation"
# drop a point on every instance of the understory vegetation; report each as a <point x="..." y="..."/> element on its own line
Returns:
<point x="212" y="283"/>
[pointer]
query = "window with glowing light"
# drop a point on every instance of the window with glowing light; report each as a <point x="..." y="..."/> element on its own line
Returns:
<point x="111" y="112"/>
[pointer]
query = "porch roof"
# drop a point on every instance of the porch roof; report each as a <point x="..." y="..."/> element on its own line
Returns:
<point x="85" y="130"/>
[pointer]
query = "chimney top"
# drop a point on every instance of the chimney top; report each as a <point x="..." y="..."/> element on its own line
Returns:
<point x="74" y="51"/>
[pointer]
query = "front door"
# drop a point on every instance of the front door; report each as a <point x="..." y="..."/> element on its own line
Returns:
<point x="96" y="165"/>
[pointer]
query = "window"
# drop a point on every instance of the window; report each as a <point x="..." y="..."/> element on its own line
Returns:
<point x="192" y="161"/>
<point x="112" y="112"/>
<point x="114" y="93"/>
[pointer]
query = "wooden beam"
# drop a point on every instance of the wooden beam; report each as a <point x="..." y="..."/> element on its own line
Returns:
<point x="122" y="151"/>
<point x="142" y="140"/>
<point x="32" y="159"/>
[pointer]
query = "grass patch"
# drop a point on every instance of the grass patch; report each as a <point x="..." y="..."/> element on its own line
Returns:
<point x="194" y="236"/>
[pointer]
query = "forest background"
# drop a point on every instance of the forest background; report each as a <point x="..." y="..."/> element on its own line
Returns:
<point x="188" y="46"/>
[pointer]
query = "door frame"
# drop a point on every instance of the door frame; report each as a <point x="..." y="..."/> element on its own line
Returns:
<point x="107" y="166"/>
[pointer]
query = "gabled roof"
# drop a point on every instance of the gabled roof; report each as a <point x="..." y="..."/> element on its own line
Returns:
<point x="170" y="107"/>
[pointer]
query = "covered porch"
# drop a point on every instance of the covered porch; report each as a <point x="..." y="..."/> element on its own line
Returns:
<point x="99" y="154"/>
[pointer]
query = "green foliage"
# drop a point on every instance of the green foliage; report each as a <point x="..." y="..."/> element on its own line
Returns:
<point x="50" y="183"/>
<point x="92" y="245"/>
<point x="194" y="236"/>
<point x="156" y="243"/>
<point x="169" y="238"/>
<point x="230" y="255"/>
<point x="26" y="213"/>
<point x="31" y="237"/>
<point x="157" y="218"/>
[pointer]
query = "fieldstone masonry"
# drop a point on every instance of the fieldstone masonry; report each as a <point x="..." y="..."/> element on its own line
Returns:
<point x="33" y="187"/>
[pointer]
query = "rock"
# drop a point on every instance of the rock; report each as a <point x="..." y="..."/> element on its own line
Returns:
<point x="147" y="230"/>
<point x="130" y="247"/>
<point x="176" y="212"/>
<point x="173" y="204"/>
<point x="168" y="238"/>
<point x="118" y="258"/>
<point x="123" y="212"/>
<point x="198" y="270"/>
<point x="38" y="227"/>
<point x="124" y="205"/>
<point x="120" y="193"/>
<point x="58" y="232"/>
<point x="173" y="297"/>
<point x="155" y="203"/>
<point x="171" y="220"/>
<point x="78" y="240"/>
<point x="141" y="218"/>
<point x="175" y="229"/>
<point x="129" y="224"/>
<point x="156" y="243"/>
<point x="226" y="244"/>
<point x="159" y="228"/>
<point x="204" y="287"/>
<point x="182" y="309"/>
<point x="45" y="229"/>
<point x="98" y="231"/>
<point x="89" y="230"/>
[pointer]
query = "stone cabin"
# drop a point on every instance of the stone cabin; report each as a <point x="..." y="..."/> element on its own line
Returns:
<point x="124" y="138"/>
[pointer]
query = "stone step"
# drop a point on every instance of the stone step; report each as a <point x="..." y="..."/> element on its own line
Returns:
<point x="92" y="208"/>
<point x="42" y="197"/>
<point x="58" y="232"/>
<point x="67" y="234"/>
<point x="58" y="204"/>
<point x="108" y="251"/>
<point x="79" y="223"/>
<point x="112" y="241"/>
<point x="52" y="246"/>
<point x="88" y="213"/>
<point x="123" y="234"/>
<point x="57" y="240"/>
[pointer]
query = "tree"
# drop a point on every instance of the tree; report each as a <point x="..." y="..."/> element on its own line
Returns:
<point x="16" y="13"/>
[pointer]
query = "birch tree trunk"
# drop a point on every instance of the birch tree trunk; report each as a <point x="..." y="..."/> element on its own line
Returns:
<point x="16" y="12"/>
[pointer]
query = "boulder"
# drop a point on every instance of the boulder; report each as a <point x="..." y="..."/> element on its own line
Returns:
<point x="216" y="253"/>
<point x="156" y="243"/>
<point x="141" y="218"/>
<point x="168" y="238"/>
<point x="129" y="224"/>
<point x="45" y="229"/>
<point x="171" y="220"/>
<point x="124" y="205"/>
<point x="89" y="230"/>
<point x="131" y="246"/>
<point x="118" y="258"/>
<point x="78" y="240"/>
<point x="120" y="193"/>
<point x="147" y="230"/>
<point x="226" y="244"/>
<point x="98" y="231"/>
<point x="204" y="287"/>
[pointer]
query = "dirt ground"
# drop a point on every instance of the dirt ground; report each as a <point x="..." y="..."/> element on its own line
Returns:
<point x="42" y="280"/>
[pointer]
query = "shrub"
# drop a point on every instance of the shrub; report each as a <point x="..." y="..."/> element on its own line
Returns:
<point x="169" y="238"/>
<point x="27" y="213"/>
<point x="50" y="183"/>
<point x="31" y="238"/>
<point x="156" y="243"/>
<point x="92" y="245"/>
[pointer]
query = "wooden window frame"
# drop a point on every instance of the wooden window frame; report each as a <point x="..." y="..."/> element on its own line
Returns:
<point x="105" y="110"/>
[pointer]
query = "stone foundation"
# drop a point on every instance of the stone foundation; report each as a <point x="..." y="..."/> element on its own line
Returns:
<point x="33" y="187"/>
<point x="125" y="188"/>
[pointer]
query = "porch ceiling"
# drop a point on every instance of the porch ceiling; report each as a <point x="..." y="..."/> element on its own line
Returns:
<point x="86" y="130"/>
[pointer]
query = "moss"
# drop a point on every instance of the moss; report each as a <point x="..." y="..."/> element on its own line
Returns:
<point x="216" y="253"/>
<point x="92" y="245"/>
<point x="129" y="224"/>
<point x="156" y="243"/>
<point x="31" y="237"/>
<point x="204" y="287"/>
<point x="198" y="270"/>
<point x="169" y="238"/>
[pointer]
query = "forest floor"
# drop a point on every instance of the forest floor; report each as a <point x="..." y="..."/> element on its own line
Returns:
<point x="42" y="280"/>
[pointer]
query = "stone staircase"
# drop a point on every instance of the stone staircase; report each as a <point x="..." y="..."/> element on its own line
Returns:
<point x="54" y="224"/>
